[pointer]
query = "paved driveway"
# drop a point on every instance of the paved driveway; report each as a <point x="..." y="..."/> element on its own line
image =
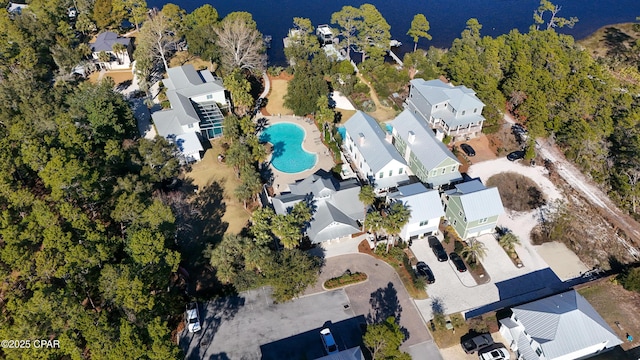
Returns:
<point x="382" y="295"/>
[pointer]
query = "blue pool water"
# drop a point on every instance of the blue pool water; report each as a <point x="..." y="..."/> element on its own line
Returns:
<point x="288" y="155"/>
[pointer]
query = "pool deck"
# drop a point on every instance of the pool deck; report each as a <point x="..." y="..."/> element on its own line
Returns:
<point x="311" y="143"/>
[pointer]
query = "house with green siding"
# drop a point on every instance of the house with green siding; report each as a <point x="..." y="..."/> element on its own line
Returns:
<point x="472" y="209"/>
<point x="427" y="157"/>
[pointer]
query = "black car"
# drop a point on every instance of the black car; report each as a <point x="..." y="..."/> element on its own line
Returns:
<point x="473" y="344"/>
<point x="437" y="248"/>
<point x="518" y="129"/>
<point x="425" y="271"/>
<point x="516" y="155"/>
<point x="468" y="149"/>
<point x="457" y="261"/>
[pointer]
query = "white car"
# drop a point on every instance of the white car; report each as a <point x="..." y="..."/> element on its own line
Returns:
<point x="495" y="354"/>
<point x="329" y="342"/>
<point x="193" y="318"/>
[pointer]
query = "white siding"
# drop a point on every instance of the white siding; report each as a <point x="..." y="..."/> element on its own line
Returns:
<point x="413" y="228"/>
<point x="195" y="128"/>
<point x="216" y="96"/>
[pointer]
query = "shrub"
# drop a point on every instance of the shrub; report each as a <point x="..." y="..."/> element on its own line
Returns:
<point x="446" y="140"/>
<point x="630" y="280"/>
<point x="517" y="192"/>
<point x="275" y="70"/>
<point x="361" y="88"/>
<point x="345" y="279"/>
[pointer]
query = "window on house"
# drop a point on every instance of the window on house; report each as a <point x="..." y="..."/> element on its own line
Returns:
<point x="190" y="126"/>
<point x="444" y="170"/>
<point x="475" y="110"/>
<point x="381" y="175"/>
<point x="455" y="222"/>
<point x="350" y="148"/>
<point x="453" y="169"/>
<point x="400" y="171"/>
<point x="433" y="172"/>
<point x="460" y="213"/>
<point x="539" y="351"/>
<point x="424" y="222"/>
<point x="390" y="172"/>
<point x="209" y="96"/>
<point x="482" y="221"/>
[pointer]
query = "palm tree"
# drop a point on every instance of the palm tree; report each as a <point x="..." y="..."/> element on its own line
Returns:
<point x="508" y="241"/>
<point x="474" y="251"/>
<point x="104" y="57"/>
<point x="374" y="223"/>
<point x="367" y="196"/>
<point x="398" y="216"/>
<point x="119" y="49"/>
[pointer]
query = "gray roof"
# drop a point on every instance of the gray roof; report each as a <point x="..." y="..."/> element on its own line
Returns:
<point x="430" y="151"/>
<point x="166" y="123"/>
<point x="355" y="353"/>
<point x="106" y="40"/>
<point x="336" y="205"/>
<point x="375" y="149"/>
<point x="423" y="203"/>
<point x="459" y="97"/>
<point x="564" y="323"/>
<point x="478" y="201"/>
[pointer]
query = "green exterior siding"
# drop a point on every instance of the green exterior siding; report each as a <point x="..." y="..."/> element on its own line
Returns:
<point x="459" y="222"/>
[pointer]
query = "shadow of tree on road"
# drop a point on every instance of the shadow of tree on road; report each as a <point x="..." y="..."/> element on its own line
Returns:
<point x="384" y="303"/>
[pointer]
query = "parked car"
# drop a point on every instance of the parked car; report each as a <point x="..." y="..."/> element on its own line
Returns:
<point x="516" y="155"/>
<point x="457" y="261"/>
<point x="425" y="271"/>
<point x="500" y="353"/>
<point x="328" y="341"/>
<point x="476" y="343"/>
<point x="193" y="317"/>
<point x="468" y="149"/>
<point x="437" y="248"/>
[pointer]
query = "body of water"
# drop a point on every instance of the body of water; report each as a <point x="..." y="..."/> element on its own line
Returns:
<point x="447" y="18"/>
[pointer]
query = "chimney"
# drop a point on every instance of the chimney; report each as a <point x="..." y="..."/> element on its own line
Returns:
<point x="388" y="137"/>
<point x="361" y="135"/>
<point x="412" y="137"/>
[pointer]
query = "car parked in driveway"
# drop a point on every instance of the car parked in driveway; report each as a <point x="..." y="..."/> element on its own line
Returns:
<point x="328" y="341"/>
<point x="424" y="271"/>
<point x="500" y="353"/>
<point x="437" y="248"/>
<point x="192" y="317"/>
<point x="468" y="149"/>
<point x="475" y="343"/>
<point x="457" y="261"/>
<point x="516" y="155"/>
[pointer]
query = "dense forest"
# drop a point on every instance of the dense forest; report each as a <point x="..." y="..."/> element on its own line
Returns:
<point x="88" y="246"/>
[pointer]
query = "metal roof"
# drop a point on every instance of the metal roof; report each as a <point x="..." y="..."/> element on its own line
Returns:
<point x="424" y="203"/>
<point x="563" y="324"/>
<point x="336" y="205"/>
<point x="478" y="201"/>
<point x="106" y="40"/>
<point x="430" y="151"/>
<point x="377" y="151"/>
<point x="354" y="353"/>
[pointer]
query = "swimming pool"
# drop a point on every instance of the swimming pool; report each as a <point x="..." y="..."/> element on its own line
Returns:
<point x="288" y="155"/>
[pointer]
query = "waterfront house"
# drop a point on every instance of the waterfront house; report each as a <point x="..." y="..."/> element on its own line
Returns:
<point x="453" y="111"/>
<point x="426" y="210"/>
<point x="563" y="326"/>
<point x="104" y="43"/>
<point x="368" y="148"/>
<point x="472" y="209"/>
<point x="335" y="206"/>
<point x="196" y="98"/>
<point x="427" y="157"/>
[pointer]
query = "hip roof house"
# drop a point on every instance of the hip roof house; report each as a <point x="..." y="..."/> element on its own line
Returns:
<point x="428" y="158"/>
<point x="563" y="326"/>
<point x="426" y="210"/>
<point x="104" y="43"/>
<point x="472" y="209"/>
<point x="335" y="206"/>
<point x="451" y="110"/>
<point x="369" y="149"/>
<point x="195" y="113"/>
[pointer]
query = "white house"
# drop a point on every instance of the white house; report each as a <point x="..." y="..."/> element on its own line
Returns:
<point x="426" y="210"/>
<point x="370" y="151"/>
<point x="451" y="110"/>
<point x="195" y="98"/>
<point x="559" y="327"/>
<point x="104" y="43"/>
<point x="427" y="157"/>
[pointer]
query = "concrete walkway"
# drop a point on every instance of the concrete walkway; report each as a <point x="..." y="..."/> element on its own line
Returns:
<point x="267" y="85"/>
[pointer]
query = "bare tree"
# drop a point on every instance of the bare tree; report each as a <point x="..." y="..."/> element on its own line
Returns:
<point x="241" y="46"/>
<point x="157" y="38"/>
<point x="554" y="21"/>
